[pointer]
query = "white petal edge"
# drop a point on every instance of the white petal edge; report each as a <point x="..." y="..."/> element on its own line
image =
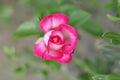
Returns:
<point x="39" y="40"/>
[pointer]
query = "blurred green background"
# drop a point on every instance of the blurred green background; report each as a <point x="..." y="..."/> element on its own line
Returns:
<point x="97" y="56"/>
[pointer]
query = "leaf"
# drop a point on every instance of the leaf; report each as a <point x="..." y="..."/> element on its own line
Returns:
<point x="10" y="52"/>
<point x="115" y="37"/>
<point x="85" y="76"/>
<point x="29" y="54"/>
<point x="116" y="41"/>
<point x="111" y="5"/>
<point x="89" y="63"/>
<point x="23" y="2"/>
<point x="93" y="28"/>
<point x="83" y="66"/>
<point x="44" y="73"/>
<point x="113" y="77"/>
<point x="78" y="17"/>
<point x="22" y="68"/>
<point x="100" y="77"/>
<point x="113" y="18"/>
<point x="28" y="29"/>
<point x="59" y="1"/>
<point x="5" y="12"/>
<point x="110" y="56"/>
<point x="118" y="7"/>
<point x="106" y="77"/>
<point x="53" y="65"/>
<point x="96" y="65"/>
<point x="67" y="9"/>
<point x="111" y="35"/>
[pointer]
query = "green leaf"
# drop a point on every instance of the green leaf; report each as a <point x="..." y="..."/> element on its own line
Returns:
<point x="113" y="18"/>
<point x="116" y="41"/>
<point x="113" y="77"/>
<point x="10" y="52"/>
<point x="5" y="12"/>
<point x="111" y="5"/>
<point x="110" y="57"/>
<point x="106" y="77"/>
<point x="111" y="35"/>
<point x="29" y="54"/>
<point x="83" y="66"/>
<point x="93" y="28"/>
<point x="115" y="37"/>
<point x="118" y="7"/>
<point x="100" y="77"/>
<point x="85" y="76"/>
<point x="44" y="73"/>
<point x="59" y="1"/>
<point x="28" y="29"/>
<point x="21" y="70"/>
<point x="24" y="1"/>
<point x="96" y="65"/>
<point x="53" y="65"/>
<point x="67" y="9"/>
<point x="78" y="17"/>
<point x="89" y="63"/>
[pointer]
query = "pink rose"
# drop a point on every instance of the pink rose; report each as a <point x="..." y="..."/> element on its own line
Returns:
<point x="59" y="41"/>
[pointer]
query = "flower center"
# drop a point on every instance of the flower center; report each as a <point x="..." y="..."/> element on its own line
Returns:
<point x="55" y="39"/>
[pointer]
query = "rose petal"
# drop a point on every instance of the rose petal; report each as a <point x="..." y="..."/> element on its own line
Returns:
<point x="70" y="38"/>
<point x="54" y="55"/>
<point x="53" y="21"/>
<point x="58" y="33"/>
<point x="65" y="59"/>
<point x="55" y="46"/>
<point x="47" y="37"/>
<point x="51" y="45"/>
<point x="46" y="23"/>
<point x="58" y="19"/>
<point x="41" y="51"/>
<point x="39" y="40"/>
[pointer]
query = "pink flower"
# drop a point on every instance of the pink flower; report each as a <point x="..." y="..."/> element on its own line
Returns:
<point x="59" y="41"/>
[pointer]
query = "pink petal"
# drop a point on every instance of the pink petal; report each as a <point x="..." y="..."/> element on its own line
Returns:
<point x="46" y="23"/>
<point x="47" y="37"/>
<point x="54" y="55"/>
<point x="52" y="33"/>
<point x="51" y="45"/>
<point x="53" y="21"/>
<point x="58" y="33"/>
<point x="65" y="59"/>
<point x="41" y="51"/>
<point x="55" y="46"/>
<point x="58" y="19"/>
<point x="70" y="36"/>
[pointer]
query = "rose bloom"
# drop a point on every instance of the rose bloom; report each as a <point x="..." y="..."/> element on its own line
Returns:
<point x="59" y="41"/>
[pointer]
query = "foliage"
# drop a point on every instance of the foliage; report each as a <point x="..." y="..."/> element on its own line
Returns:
<point x="23" y="67"/>
<point x="28" y="28"/>
<point x="6" y="13"/>
<point x="115" y="37"/>
<point x="92" y="69"/>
